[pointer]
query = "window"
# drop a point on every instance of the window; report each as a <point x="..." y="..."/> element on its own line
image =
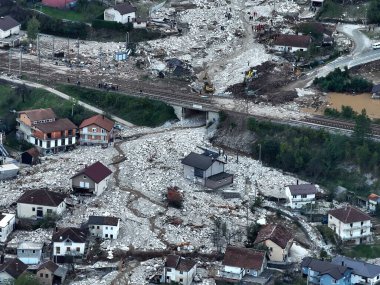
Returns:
<point x="62" y="141"/>
<point x="351" y="225"/>
<point x="294" y="196"/>
<point x="106" y="235"/>
<point x="46" y="275"/>
<point x="78" y="249"/>
<point x="58" y="250"/>
<point x="49" y="211"/>
<point x="93" y="227"/>
<point x="68" y="248"/>
<point x="48" y="144"/>
<point x="181" y="272"/>
<point x="106" y="228"/>
<point x="84" y="176"/>
<point x="56" y="143"/>
<point x="169" y="270"/>
<point x="103" y="131"/>
<point x="303" y="196"/>
<point x="49" y="135"/>
<point x="70" y="132"/>
<point x="22" y="251"/>
<point x="361" y="223"/>
<point x="198" y="172"/>
<point x="33" y="209"/>
<point x="41" y="275"/>
<point x="180" y="279"/>
<point x="97" y="227"/>
<point x="94" y="130"/>
<point x="111" y="228"/>
<point x="62" y="133"/>
<point x="34" y="251"/>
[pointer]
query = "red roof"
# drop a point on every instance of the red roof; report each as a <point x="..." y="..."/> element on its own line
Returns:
<point x="58" y="3"/>
<point x="373" y="197"/>
<point x="98" y="120"/>
<point x="276" y="233"/>
<point x="96" y="172"/>
<point x="349" y="215"/>
<point x="39" y="114"/>
<point x="244" y="258"/>
<point x="292" y="41"/>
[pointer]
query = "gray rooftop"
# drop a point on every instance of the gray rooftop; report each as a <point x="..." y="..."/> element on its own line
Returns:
<point x="7" y="23"/>
<point x="200" y="161"/>
<point x="302" y="189"/>
<point x="359" y="267"/>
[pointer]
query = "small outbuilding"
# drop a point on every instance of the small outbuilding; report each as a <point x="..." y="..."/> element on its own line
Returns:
<point x="31" y="156"/>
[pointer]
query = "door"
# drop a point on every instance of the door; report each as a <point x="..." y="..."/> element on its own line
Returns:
<point x="40" y="212"/>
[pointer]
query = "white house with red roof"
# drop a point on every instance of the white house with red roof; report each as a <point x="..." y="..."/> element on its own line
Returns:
<point x="242" y="263"/>
<point x="91" y="180"/>
<point x="96" y="130"/>
<point x="350" y="224"/>
<point x="38" y="203"/>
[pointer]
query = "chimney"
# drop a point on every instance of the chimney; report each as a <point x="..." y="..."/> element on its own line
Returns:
<point x="56" y="229"/>
<point x="297" y="182"/>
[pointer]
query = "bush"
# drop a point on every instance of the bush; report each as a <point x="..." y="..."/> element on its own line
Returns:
<point x="341" y="81"/>
<point x="373" y="12"/>
<point x="101" y="24"/>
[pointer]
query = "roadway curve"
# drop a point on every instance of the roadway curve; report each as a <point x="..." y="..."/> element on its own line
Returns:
<point x="362" y="53"/>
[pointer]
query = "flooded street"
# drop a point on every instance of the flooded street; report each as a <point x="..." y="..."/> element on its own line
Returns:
<point x="357" y="102"/>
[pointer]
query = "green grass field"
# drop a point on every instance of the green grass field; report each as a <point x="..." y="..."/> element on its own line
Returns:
<point x="80" y="15"/>
<point x="138" y="111"/>
<point x="334" y="10"/>
<point x="364" y="251"/>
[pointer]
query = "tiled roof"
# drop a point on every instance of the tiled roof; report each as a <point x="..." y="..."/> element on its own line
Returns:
<point x="243" y="258"/>
<point x="33" y="152"/>
<point x="99" y="120"/>
<point x="103" y="220"/>
<point x="49" y="265"/>
<point x="14" y="267"/>
<point x="56" y="126"/>
<point x="324" y="267"/>
<point x="96" y="172"/>
<point x="276" y="233"/>
<point x="373" y="197"/>
<point x="7" y="23"/>
<point x="39" y="114"/>
<point x="349" y="215"/>
<point x="73" y="234"/>
<point x="197" y="160"/>
<point x="303" y="189"/>
<point x="179" y="263"/>
<point x="292" y="41"/>
<point x="42" y="197"/>
<point x="125" y="8"/>
<point x="359" y="267"/>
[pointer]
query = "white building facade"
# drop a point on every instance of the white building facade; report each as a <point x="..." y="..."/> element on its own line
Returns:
<point x="122" y="13"/>
<point x="38" y="211"/>
<point x="350" y="224"/>
<point x="8" y="27"/>
<point x="7" y="225"/>
<point x="104" y="227"/>
<point x="301" y="195"/>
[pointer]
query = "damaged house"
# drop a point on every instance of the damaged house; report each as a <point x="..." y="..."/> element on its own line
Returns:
<point x="179" y="269"/>
<point x="91" y="180"/>
<point x="206" y="169"/>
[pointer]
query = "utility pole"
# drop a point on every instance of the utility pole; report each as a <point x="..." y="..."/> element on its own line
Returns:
<point x="9" y="63"/>
<point x="78" y="50"/>
<point x="260" y="152"/>
<point x="100" y="57"/>
<point x="20" y="62"/>
<point x="126" y="40"/>
<point x="39" y="56"/>
<point x="68" y="48"/>
<point x="53" y="48"/>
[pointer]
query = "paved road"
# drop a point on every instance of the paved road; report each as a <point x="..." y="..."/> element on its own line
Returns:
<point x="362" y="53"/>
<point x="64" y="96"/>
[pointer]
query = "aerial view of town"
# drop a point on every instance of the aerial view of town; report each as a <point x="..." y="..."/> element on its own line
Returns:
<point x="189" y="142"/>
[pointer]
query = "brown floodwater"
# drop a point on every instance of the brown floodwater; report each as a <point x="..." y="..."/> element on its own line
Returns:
<point x="357" y="102"/>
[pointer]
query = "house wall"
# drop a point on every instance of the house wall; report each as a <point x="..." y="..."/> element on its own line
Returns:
<point x="140" y="25"/>
<point x="64" y="245"/>
<point x="104" y="231"/>
<point x="28" y="256"/>
<point x="101" y="186"/>
<point x="76" y="181"/>
<point x="7" y="229"/>
<point x="7" y="33"/>
<point x="275" y="253"/>
<point x="94" y="134"/>
<point x="350" y="231"/>
<point x="184" y="278"/>
<point x="5" y="278"/>
<point x="357" y="279"/>
<point x="26" y="210"/>
<point x="288" y="48"/>
<point x="328" y="280"/>
<point x="216" y="167"/>
<point x="111" y="14"/>
<point x="45" y="276"/>
<point x="372" y="205"/>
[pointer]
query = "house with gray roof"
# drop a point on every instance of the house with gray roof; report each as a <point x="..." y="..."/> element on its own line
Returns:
<point x="324" y="272"/>
<point x="178" y="269"/>
<point x="8" y="27"/>
<point x="49" y="273"/>
<point x="206" y="169"/>
<point x="11" y="270"/>
<point x="122" y="13"/>
<point x="300" y="195"/>
<point x="104" y="226"/>
<point x="30" y="252"/>
<point x="362" y="272"/>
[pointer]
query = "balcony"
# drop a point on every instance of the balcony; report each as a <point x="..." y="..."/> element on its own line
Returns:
<point x="363" y="227"/>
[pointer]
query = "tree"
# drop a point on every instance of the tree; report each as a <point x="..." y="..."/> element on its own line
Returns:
<point x="373" y="12"/>
<point x="33" y="28"/>
<point x="362" y="127"/>
<point x="252" y="233"/>
<point x="27" y="279"/>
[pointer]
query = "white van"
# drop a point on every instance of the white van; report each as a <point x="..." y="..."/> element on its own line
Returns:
<point x="376" y="45"/>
